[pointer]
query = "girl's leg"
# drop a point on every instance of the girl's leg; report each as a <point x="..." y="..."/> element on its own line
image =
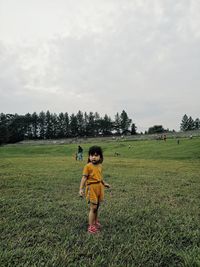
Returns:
<point x="96" y="214"/>
<point x="92" y="214"/>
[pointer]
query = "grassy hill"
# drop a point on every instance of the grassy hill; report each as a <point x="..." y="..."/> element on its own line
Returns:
<point x="150" y="218"/>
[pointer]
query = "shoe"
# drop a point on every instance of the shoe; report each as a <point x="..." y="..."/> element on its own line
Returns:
<point x="98" y="225"/>
<point x="92" y="229"/>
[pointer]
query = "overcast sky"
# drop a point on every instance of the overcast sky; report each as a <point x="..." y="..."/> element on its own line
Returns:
<point x="142" y="56"/>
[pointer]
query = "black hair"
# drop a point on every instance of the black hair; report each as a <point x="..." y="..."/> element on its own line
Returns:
<point x="95" y="150"/>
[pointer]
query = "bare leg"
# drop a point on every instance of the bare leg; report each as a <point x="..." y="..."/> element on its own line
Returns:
<point x="96" y="214"/>
<point x="92" y="214"/>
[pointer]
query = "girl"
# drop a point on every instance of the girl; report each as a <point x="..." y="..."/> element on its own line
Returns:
<point x="92" y="178"/>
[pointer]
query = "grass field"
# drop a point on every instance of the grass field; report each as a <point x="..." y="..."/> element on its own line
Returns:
<point x="152" y="217"/>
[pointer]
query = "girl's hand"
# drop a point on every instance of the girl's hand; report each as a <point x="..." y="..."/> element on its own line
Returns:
<point x="81" y="192"/>
<point x="106" y="185"/>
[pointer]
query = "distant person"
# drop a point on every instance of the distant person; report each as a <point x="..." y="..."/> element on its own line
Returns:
<point x="80" y="153"/>
<point x="164" y="137"/>
<point x="178" y="141"/>
<point x="93" y="180"/>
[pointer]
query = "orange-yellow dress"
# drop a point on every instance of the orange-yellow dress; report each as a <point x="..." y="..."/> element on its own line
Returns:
<point x="94" y="183"/>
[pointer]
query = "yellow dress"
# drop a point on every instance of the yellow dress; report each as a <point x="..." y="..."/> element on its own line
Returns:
<point x="94" y="183"/>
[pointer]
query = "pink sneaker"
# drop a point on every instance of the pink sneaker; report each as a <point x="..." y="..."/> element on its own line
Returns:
<point x="98" y="225"/>
<point x="92" y="229"/>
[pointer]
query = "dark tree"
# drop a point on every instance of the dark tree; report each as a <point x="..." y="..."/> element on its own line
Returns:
<point x="96" y="123"/>
<point x="156" y="129"/>
<point x="16" y="128"/>
<point x="49" y="125"/>
<point x="80" y="123"/>
<point x="55" y="125"/>
<point x="106" y="126"/>
<point x="42" y="125"/>
<point x="184" y="123"/>
<point x="125" y="121"/>
<point x="28" y="126"/>
<point x="67" y="126"/>
<point x="91" y="124"/>
<point x="197" y="124"/>
<point x="4" y="134"/>
<point x="190" y="125"/>
<point x="86" y="121"/>
<point x="133" y="129"/>
<point x="61" y="125"/>
<point x="117" y="124"/>
<point x="73" y="126"/>
<point x="35" y="125"/>
<point x="187" y="123"/>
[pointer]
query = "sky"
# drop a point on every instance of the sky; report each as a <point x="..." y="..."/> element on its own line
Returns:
<point x="105" y="56"/>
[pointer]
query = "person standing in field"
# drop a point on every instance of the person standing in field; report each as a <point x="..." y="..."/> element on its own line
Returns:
<point x="93" y="180"/>
<point x="80" y="153"/>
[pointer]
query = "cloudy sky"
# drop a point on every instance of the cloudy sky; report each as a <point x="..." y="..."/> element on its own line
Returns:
<point x="102" y="55"/>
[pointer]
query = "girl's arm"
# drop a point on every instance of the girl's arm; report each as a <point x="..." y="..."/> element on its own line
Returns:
<point x="105" y="184"/>
<point x="82" y="185"/>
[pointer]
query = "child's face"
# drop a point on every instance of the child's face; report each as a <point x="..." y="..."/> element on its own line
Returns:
<point x="94" y="158"/>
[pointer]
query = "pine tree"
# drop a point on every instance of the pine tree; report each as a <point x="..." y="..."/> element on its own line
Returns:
<point x="49" y="125"/>
<point x="190" y="124"/>
<point x="55" y="125"/>
<point x="4" y="135"/>
<point x="28" y="126"/>
<point x="73" y="125"/>
<point x="16" y="128"/>
<point x="133" y="129"/>
<point x="197" y="124"/>
<point x="184" y="123"/>
<point x="86" y="121"/>
<point x="125" y="121"/>
<point x="61" y="125"/>
<point x="35" y="121"/>
<point x="96" y="123"/>
<point x="67" y="126"/>
<point x="42" y="125"/>
<point x="117" y="124"/>
<point x="80" y="123"/>
<point x="106" y="125"/>
<point x="91" y="124"/>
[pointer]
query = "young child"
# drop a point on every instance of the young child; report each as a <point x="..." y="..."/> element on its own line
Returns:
<point x="93" y="180"/>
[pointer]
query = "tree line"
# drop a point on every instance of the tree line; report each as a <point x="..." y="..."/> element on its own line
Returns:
<point x="187" y="124"/>
<point x="47" y="125"/>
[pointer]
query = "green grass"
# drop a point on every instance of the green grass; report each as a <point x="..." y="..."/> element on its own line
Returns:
<point x="152" y="217"/>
